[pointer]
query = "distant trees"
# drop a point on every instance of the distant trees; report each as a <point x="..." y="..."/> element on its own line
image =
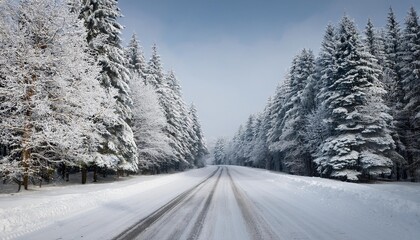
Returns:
<point x="72" y="98"/>
<point x="351" y="113"/>
<point x="220" y="152"/>
<point x="168" y="133"/>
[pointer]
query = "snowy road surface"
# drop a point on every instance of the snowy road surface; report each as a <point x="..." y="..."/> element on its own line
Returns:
<point x="225" y="202"/>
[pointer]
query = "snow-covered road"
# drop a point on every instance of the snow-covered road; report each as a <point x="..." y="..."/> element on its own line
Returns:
<point x="225" y="202"/>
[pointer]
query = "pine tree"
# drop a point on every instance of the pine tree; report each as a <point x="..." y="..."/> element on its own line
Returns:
<point x="154" y="73"/>
<point x="103" y="37"/>
<point x="276" y="118"/>
<point x="199" y="144"/>
<point x="411" y="85"/>
<point x="135" y="57"/>
<point x="374" y="43"/>
<point x="317" y="127"/>
<point x="326" y="65"/>
<point x="296" y="159"/>
<point x="392" y="68"/>
<point x="219" y="152"/>
<point x="248" y="138"/>
<point x="259" y="154"/>
<point x="360" y="144"/>
<point x="174" y="118"/>
<point x="185" y="124"/>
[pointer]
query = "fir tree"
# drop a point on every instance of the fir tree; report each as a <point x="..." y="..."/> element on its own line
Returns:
<point x="360" y="141"/>
<point x="135" y="57"/>
<point x="199" y="144"/>
<point x="411" y="86"/>
<point x="103" y="37"/>
<point x="296" y="159"/>
<point x="154" y="73"/>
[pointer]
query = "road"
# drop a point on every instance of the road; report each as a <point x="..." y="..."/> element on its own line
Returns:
<point x="237" y="203"/>
<point x="229" y="202"/>
<point x="210" y="208"/>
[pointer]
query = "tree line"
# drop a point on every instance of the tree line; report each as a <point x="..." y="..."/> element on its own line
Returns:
<point x="72" y="98"/>
<point x="351" y="113"/>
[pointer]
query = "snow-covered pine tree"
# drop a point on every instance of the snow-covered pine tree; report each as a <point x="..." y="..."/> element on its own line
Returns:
<point x="266" y="158"/>
<point x="276" y="118"/>
<point x="186" y="127"/>
<point x="360" y="144"/>
<point x="234" y="148"/>
<point x="248" y="138"/>
<point x="50" y="98"/>
<point x="135" y="57"/>
<point x="185" y="124"/>
<point x="154" y="73"/>
<point x="296" y="157"/>
<point x="103" y="36"/>
<point x="219" y="151"/>
<point x="325" y="64"/>
<point x="392" y="66"/>
<point x="259" y="153"/>
<point x="374" y="43"/>
<point x="149" y="122"/>
<point x="174" y="117"/>
<point x="410" y="68"/>
<point x="200" y="144"/>
<point x="317" y="127"/>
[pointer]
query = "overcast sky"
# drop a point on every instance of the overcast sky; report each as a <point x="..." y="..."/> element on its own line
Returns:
<point x="229" y="55"/>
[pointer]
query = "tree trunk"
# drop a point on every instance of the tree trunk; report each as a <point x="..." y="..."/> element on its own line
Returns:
<point x="25" y="159"/>
<point x="27" y="132"/>
<point x="95" y="173"/>
<point x="19" y="186"/>
<point x="84" y="174"/>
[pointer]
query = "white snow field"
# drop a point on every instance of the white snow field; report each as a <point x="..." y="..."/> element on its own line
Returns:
<point x="216" y="202"/>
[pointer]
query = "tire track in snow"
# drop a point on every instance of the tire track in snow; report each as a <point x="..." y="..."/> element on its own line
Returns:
<point x="136" y="229"/>
<point x="198" y="226"/>
<point x="185" y="227"/>
<point x="258" y="228"/>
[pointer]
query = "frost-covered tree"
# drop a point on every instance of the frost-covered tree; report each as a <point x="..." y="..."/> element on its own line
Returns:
<point x="134" y="54"/>
<point x="325" y="64"/>
<point x="247" y="138"/>
<point x="410" y="68"/>
<point x="174" y="114"/>
<point x="154" y="73"/>
<point x="259" y="154"/>
<point x="360" y="145"/>
<point x="276" y="118"/>
<point x="233" y="148"/>
<point x="296" y="159"/>
<point x="199" y="145"/>
<point x="374" y="43"/>
<point x="392" y="67"/>
<point x="181" y="128"/>
<point x="51" y="101"/>
<point x="219" y="152"/>
<point x="149" y="123"/>
<point x="103" y="36"/>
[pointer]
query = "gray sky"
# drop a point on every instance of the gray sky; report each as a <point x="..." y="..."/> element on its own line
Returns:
<point x="229" y="55"/>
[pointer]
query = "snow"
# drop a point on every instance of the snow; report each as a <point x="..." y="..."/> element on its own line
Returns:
<point x="77" y="206"/>
<point x="244" y="203"/>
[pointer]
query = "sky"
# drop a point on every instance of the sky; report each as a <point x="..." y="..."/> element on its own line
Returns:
<point x="230" y="55"/>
